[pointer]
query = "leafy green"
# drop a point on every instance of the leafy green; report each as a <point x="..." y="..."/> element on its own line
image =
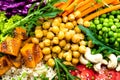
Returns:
<point x="63" y="71"/>
<point x="89" y="65"/>
<point x="29" y="22"/>
<point x="102" y="47"/>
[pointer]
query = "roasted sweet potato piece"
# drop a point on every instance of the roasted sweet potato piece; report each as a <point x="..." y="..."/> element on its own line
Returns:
<point x="37" y="53"/>
<point x="20" y="33"/>
<point x="27" y="52"/>
<point x="5" y="65"/>
<point x="16" y="60"/>
<point x="32" y="54"/>
<point x="10" y="46"/>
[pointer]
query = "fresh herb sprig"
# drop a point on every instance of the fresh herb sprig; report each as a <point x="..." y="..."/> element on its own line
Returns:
<point x="30" y="20"/>
<point x="63" y="71"/>
<point x="101" y="45"/>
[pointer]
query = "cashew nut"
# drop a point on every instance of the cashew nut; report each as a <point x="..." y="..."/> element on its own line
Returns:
<point x="97" y="67"/>
<point x="96" y="58"/>
<point x="83" y="60"/>
<point x="118" y="66"/>
<point x="112" y="62"/>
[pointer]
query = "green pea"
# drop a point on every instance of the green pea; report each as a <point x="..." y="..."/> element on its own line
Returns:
<point x="110" y="23"/>
<point x="113" y="28"/>
<point x="96" y="21"/>
<point x="113" y="12"/>
<point x="116" y="35"/>
<point x="99" y="26"/>
<point x="103" y="15"/>
<point x="111" y="33"/>
<point x="99" y="37"/>
<point x="116" y="20"/>
<point x="104" y="29"/>
<point x="111" y="17"/>
<point x="106" y="20"/>
<point x="118" y="39"/>
<point x="117" y="24"/>
<point x="101" y="20"/>
<point x="100" y="32"/>
<point x="106" y="40"/>
<point x="116" y="44"/>
<point x="112" y="40"/>
<point x="118" y="17"/>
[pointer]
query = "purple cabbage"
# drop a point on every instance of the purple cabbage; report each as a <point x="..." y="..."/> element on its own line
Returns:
<point x="20" y="7"/>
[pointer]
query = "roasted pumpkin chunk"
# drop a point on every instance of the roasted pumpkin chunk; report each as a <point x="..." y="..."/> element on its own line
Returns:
<point x="20" y="33"/>
<point x="16" y="60"/>
<point x="5" y="65"/>
<point x="31" y="54"/>
<point x="10" y="46"/>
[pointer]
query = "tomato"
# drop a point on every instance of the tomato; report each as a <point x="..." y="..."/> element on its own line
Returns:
<point x="106" y="74"/>
<point x="118" y="76"/>
<point x="83" y="73"/>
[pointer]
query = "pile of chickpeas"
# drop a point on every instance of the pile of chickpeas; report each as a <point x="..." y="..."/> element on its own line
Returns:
<point x="60" y="37"/>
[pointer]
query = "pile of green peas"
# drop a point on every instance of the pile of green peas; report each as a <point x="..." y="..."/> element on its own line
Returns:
<point x="107" y="28"/>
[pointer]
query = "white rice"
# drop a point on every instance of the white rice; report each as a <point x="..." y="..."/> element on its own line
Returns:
<point x="29" y="73"/>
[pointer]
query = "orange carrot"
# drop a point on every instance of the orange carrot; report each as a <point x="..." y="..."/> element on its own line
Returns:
<point x="82" y="3"/>
<point x="59" y="4"/>
<point x="63" y="7"/>
<point x="71" y="8"/>
<point x="116" y="2"/>
<point x="92" y="2"/>
<point x="98" y="13"/>
<point x="95" y="7"/>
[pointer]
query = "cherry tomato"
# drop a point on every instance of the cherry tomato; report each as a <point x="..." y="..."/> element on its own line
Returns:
<point x="118" y="76"/>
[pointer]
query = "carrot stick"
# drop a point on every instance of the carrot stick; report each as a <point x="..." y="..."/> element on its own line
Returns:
<point x="98" y="13"/>
<point x="95" y="7"/>
<point x="84" y="7"/>
<point x="63" y="7"/>
<point x="116" y="2"/>
<point x="83" y="3"/>
<point x="71" y="8"/>
<point x="59" y="4"/>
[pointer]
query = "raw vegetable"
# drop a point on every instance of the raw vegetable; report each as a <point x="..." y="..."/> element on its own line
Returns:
<point x="98" y="13"/>
<point x="102" y="47"/>
<point x="30" y="20"/>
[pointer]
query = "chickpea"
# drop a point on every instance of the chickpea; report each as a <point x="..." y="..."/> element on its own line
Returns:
<point x="35" y="40"/>
<point x="61" y="35"/>
<point x="47" y="42"/>
<point x="90" y="44"/>
<point x="45" y="33"/>
<point x="51" y="62"/>
<point x="59" y="19"/>
<point x="56" y="49"/>
<point x="75" y="60"/>
<point x="71" y="17"/>
<point x="72" y="32"/>
<point x="82" y="43"/>
<point x="65" y="19"/>
<point x="69" y="25"/>
<point x="56" y="22"/>
<point x="82" y="36"/>
<point x="76" y="38"/>
<point x="55" y="29"/>
<point x="46" y="50"/>
<point x="38" y="33"/>
<point x="55" y="40"/>
<point x="60" y="55"/>
<point x="77" y="14"/>
<point x="77" y="29"/>
<point x="62" y="43"/>
<point x="67" y="46"/>
<point x="82" y="49"/>
<point x="41" y="44"/>
<point x="80" y="21"/>
<point x="74" y="47"/>
<point x="76" y="54"/>
<point x="47" y="57"/>
<point x="68" y="57"/>
<point x="64" y="30"/>
<point x="62" y="26"/>
<point x="50" y="35"/>
<point x="86" y="23"/>
<point x="46" y="25"/>
<point x="74" y="23"/>
<point x="68" y="36"/>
